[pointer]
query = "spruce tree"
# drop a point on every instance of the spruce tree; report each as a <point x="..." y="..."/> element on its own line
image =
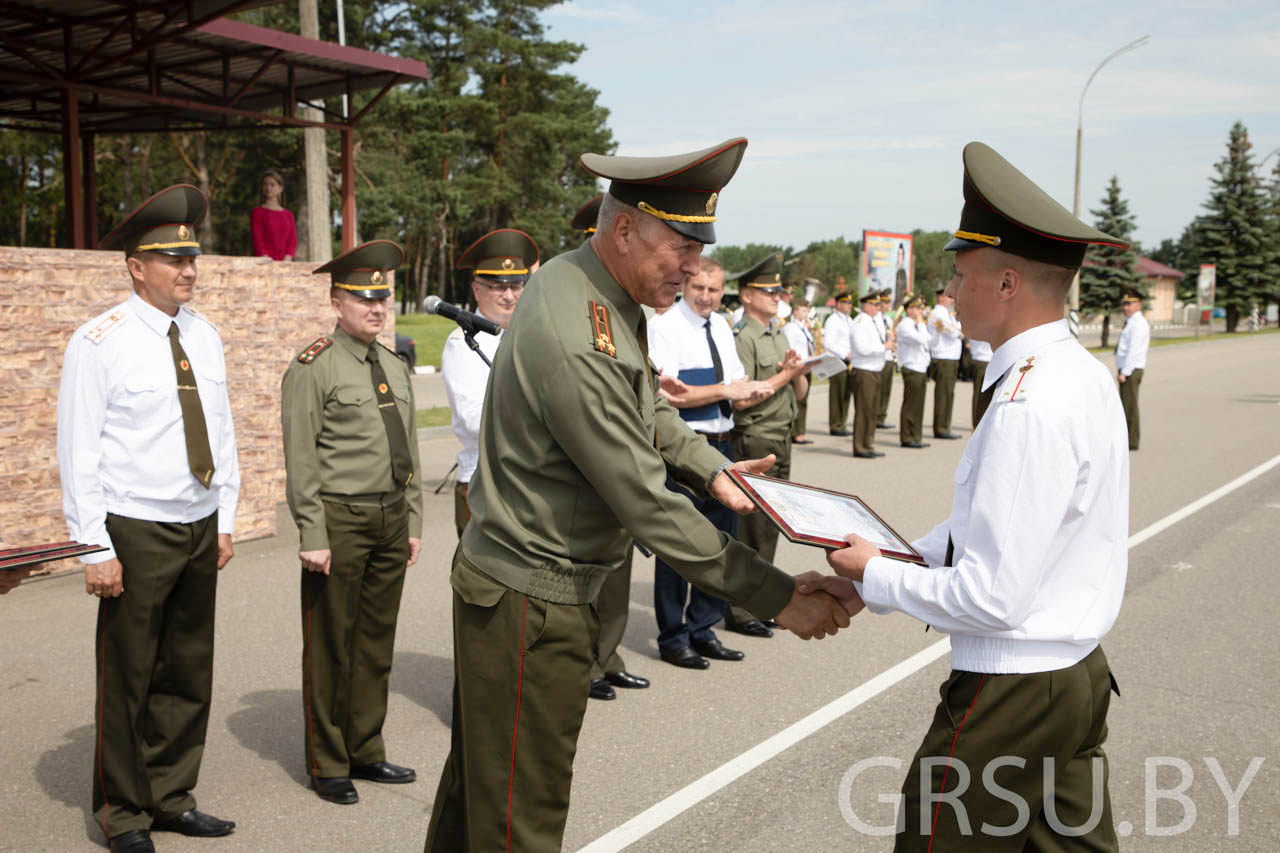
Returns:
<point x="1235" y="232"/>
<point x="1109" y="271"/>
<point x="1272" y="236"/>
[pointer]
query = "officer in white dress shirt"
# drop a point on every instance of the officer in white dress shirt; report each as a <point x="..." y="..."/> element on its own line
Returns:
<point x="694" y="344"/>
<point x="866" y="358"/>
<point x="979" y="358"/>
<point x="1028" y="573"/>
<point x="945" y="344"/>
<point x="913" y="358"/>
<point x="800" y="337"/>
<point x="147" y="458"/>
<point x="1131" y="360"/>
<point x="837" y="337"/>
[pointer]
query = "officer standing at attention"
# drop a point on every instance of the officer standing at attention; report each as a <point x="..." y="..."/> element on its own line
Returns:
<point x="837" y="336"/>
<point x="1131" y="360"/>
<point x="913" y="356"/>
<point x="696" y="346"/>
<point x="352" y="478"/>
<point x="884" y="321"/>
<point x="800" y="339"/>
<point x="614" y="601"/>
<point x="147" y="457"/>
<point x="867" y="352"/>
<point x="761" y="428"/>
<point x="946" y="341"/>
<point x="500" y="263"/>
<point x="1028" y="573"/>
<point x="574" y="455"/>
<point x="979" y="358"/>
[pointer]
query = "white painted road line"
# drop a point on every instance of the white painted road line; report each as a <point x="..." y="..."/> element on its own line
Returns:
<point x="726" y="774"/>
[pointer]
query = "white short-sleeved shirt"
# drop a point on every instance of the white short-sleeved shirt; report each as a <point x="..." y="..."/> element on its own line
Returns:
<point x="799" y="337"/>
<point x="979" y="350"/>
<point x="466" y="377"/>
<point x="678" y="347"/>
<point x="837" y="333"/>
<point x="122" y="448"/>
<point x="913" y="345"/>
<point x="866" y="344"/>
<point x="946" y="338"/>
<point x="1131" y="349"/>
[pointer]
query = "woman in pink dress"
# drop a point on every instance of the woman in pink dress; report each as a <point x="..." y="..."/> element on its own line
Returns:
<point x="274" y="233"/>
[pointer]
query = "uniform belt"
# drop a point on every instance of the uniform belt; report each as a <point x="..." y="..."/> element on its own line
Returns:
<point x="368" y="499"/>
<point x="714" y="436"/>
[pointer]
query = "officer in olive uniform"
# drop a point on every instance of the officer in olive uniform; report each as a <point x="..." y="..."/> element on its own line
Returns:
<point x="351" y="462"/>
<point x="764" y="428"/>
<point x="147" y="459"/>
<point x="885" y="321"/>
<point x="614" y="601"/>
<point x="574" y="455"/>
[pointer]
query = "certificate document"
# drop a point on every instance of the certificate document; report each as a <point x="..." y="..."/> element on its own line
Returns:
<point x="32" y="555"/>
<point x="814" y="516"/>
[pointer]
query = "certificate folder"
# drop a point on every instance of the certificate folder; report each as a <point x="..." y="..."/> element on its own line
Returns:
<point x="811" y="515"/>
<point x="31" y="555"/>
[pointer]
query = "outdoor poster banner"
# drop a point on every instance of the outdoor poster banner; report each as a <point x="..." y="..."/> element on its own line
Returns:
<point x="1204" y="285"/>
<point x="887" y="262"/>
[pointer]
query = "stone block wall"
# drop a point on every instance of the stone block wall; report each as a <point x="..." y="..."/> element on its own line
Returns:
<point x="265" y="311"/>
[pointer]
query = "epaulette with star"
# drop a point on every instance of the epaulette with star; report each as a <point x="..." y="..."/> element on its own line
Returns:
<point x="318" y="346"/>
<point x="739" y="326"/>
<point x="108" y="324"/>
<point x="601" y="331"/>
<point x="1019" y="382"/>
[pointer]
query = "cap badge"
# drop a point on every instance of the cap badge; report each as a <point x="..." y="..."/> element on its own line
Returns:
<point x="376" y="277"/>
<point x="711" y="203"/>
<point x="508" y="264"/>
<point x="184" y="233"/>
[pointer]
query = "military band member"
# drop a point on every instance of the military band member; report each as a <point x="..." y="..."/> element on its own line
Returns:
<point x="913" y="356"/>
<point x="763" y="427"/>
<point x="867" y="351"/>
<point x="147" y="457"/>
<point x="499" y="263"/>
<point x="884" y="321"/>
<point x="944" y="350"/>
<point x="837" y="337"/>
<point x="1028" y="573"/>
<point x="800" y="337"/>
<point x="1131" y="360"/>
<point x="576" y="471"/>
<point x="979" y="358"/>
<point x="352" y="482"/>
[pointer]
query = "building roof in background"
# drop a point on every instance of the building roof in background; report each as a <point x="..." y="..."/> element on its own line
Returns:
<point x="1155" y="269"/>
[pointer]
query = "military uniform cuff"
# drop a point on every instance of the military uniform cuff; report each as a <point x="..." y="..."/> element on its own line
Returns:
<point x="878" y="580"/>
<point x="774" y="592"/>
<point x="98" y="557"/>
<point x="314" y="539"/>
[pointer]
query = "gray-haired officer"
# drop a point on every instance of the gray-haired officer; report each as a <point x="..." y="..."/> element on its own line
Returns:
<point x="147" y="457"/>
<point x="352" y="481"/>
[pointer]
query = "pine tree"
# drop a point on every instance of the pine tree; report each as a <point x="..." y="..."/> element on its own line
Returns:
<point x="1272" y="235"/>
<point x="1234" y="233"/>
<point x="1108" y="271"/>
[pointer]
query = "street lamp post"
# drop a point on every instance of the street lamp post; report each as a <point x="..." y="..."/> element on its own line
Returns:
<point x="1075" y="207"/>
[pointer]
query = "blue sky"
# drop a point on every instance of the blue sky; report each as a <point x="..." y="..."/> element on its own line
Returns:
<point x="856" y="113"/>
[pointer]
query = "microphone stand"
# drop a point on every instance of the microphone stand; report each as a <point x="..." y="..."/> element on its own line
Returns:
<point x="469" y="335"/>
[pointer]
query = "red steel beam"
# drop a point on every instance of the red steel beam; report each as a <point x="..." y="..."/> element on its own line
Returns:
<point x="72" y="168"/>
<point x="348" y="190"/>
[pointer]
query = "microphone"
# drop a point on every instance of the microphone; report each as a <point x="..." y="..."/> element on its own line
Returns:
<point x="470" y="323"/>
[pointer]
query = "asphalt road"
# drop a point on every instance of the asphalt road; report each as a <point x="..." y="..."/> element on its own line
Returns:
<point x="1194" y="650"/>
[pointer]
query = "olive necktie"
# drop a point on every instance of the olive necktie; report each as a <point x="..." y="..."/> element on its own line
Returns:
<point x="199" y="456"/>
<point x="718" y="366"/>
<point x="401" y="461"/>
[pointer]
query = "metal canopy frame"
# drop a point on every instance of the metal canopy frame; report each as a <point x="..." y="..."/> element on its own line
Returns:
<point x="87" y="67"/>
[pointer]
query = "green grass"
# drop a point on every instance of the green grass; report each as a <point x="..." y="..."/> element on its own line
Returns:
<point x="428" y="332"/>
<point x="433" y="417"/>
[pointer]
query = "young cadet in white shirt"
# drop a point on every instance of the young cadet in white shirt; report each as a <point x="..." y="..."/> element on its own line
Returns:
<point x="147" y="457"/>
<point x="884" y="320"/>
<point x="913" y="358"/>
<point x="945" y="344"/>
<point x="837" y="337"/>
<point x="1131" y="360"/>
<point x="979" y="358"/>
<point x="866" y="358"/>
<point x="1028" y="573"/>
<point x="800" y="337"/>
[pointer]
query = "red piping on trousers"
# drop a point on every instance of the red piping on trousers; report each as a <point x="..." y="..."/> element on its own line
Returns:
<point x="938" y="806"/>
<point x="515" y="729"/>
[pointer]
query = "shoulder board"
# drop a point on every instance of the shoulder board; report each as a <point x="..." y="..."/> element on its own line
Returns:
<point x="740" y="325"/>
<point x="318" y="346"/>
<point x="108" y="324"/>
<point x="194" y="313"/>
<point x="1021" y="380"/>
<point x="601" y="330"/>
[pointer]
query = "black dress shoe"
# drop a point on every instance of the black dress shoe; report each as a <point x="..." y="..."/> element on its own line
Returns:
<point x="685" y="657"/>
<point x="883" y="425"/>
<point x="135" y="841"/>
<point x="197" y="824"/>
<point x="841" y="432"/>
<point x="335" y="789"/>
<point x="384" y="771"/>
<point x="948" y="437"/>
<point x="769" y="623"/>
<point x="600" y="689"/>
<point x="715" y="650"/>
<point x="802" y="441"/>
<point x="915" y="444"/>
<point x="626" y="679"/>
<point x="872" y="455"/>
<point x="751" y="628"/>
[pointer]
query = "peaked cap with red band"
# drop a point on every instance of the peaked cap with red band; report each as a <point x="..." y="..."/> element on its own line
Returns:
<point x="682" y="190"/>
<point x="1004" y="209"/>
<point x="585" y="219"/>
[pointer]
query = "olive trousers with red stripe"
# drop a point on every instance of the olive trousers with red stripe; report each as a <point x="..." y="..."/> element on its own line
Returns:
<point x="1019" y="761"/>
<point x="155" y="671"/>
<point x="521" y="666"/>
<point x="349" y="633"/>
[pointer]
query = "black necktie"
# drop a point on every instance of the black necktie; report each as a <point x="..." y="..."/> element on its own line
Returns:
<point x="401" y="460"/>
<point x="725" y="409"/>
<point x="199" y="456"/>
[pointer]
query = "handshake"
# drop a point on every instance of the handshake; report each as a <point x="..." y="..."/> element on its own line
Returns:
<point x="823" y="604"/>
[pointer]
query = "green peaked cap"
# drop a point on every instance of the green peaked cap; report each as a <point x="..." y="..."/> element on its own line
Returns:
<point x="164" y="223"/>
<point x="585" y="219"/>
<point x="1005" y="209"/>
<point x="505" y="255"/>
<point x="765" y="275"/>
<point x="363" y="270"/>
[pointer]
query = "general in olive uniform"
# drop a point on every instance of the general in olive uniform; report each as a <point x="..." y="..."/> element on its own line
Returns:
<point x="765" y="427"/>
<point x="575" y="448"/>
<point x="352" y="481"/>
<point x="147" y="458"/>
